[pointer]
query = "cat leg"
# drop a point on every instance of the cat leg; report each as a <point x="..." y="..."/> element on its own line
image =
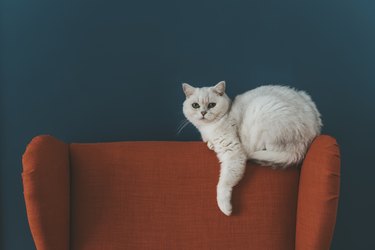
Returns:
<point x="231" y="173"/>
<point x="210" y="145"/>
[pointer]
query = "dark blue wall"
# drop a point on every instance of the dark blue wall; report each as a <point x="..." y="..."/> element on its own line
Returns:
<point x="88" y="71"/>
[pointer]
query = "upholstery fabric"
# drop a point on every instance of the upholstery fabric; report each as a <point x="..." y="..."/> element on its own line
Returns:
<point x="46" y="184"/>
<point x="318" y="195"/>
<point x="162" y="195"/>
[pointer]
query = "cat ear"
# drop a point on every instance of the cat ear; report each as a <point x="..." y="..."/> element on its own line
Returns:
<point x="188" y="89"/>
<point x="219" y="88"/>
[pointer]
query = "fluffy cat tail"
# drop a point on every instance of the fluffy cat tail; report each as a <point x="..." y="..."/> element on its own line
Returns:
<point x="276" y="159"/>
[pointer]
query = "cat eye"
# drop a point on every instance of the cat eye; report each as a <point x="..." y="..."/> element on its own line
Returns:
<point x="211" y="105"/>
<point x="195" y="105"/>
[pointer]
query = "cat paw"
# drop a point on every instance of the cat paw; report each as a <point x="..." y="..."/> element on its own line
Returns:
<point x="223" y="199"/>
<point x="210" y="145"/>
<point x="225" y="206"/>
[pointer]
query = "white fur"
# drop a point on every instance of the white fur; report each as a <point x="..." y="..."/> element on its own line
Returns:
<point x="273" y="125"/>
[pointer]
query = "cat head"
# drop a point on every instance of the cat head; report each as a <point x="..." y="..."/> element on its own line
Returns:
<point x="205" y="105"/>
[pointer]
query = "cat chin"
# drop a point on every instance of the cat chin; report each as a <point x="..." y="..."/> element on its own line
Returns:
<point x="202" y="122"/>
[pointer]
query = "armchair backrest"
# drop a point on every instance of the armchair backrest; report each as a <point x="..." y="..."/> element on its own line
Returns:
<point x="162" y="195"/>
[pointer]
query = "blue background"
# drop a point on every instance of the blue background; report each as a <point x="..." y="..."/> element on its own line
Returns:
<point x="89" y="71"/>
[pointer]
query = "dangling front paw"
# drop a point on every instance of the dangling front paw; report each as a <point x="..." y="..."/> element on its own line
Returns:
<point x="210" y="145"/>
<point x="223" y="200"/>
<point x="225" y="206"/>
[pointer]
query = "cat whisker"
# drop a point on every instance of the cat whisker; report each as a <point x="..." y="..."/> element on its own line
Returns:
<point x="182" y="125"/>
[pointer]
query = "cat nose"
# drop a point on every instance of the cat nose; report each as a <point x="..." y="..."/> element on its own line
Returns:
<point x="204" y="112"/>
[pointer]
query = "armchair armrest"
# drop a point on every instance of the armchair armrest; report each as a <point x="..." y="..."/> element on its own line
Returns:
<point x="318" y="195"/>
<point x="46" y="189"/>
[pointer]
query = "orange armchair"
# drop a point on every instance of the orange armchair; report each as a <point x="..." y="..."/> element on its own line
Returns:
<point x="161" y="195"/>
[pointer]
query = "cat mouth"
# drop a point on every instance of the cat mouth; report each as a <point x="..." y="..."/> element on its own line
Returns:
<point x="204" y="119"/>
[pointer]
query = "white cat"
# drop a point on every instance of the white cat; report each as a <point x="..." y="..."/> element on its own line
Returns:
<point x="273" y="125"/>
